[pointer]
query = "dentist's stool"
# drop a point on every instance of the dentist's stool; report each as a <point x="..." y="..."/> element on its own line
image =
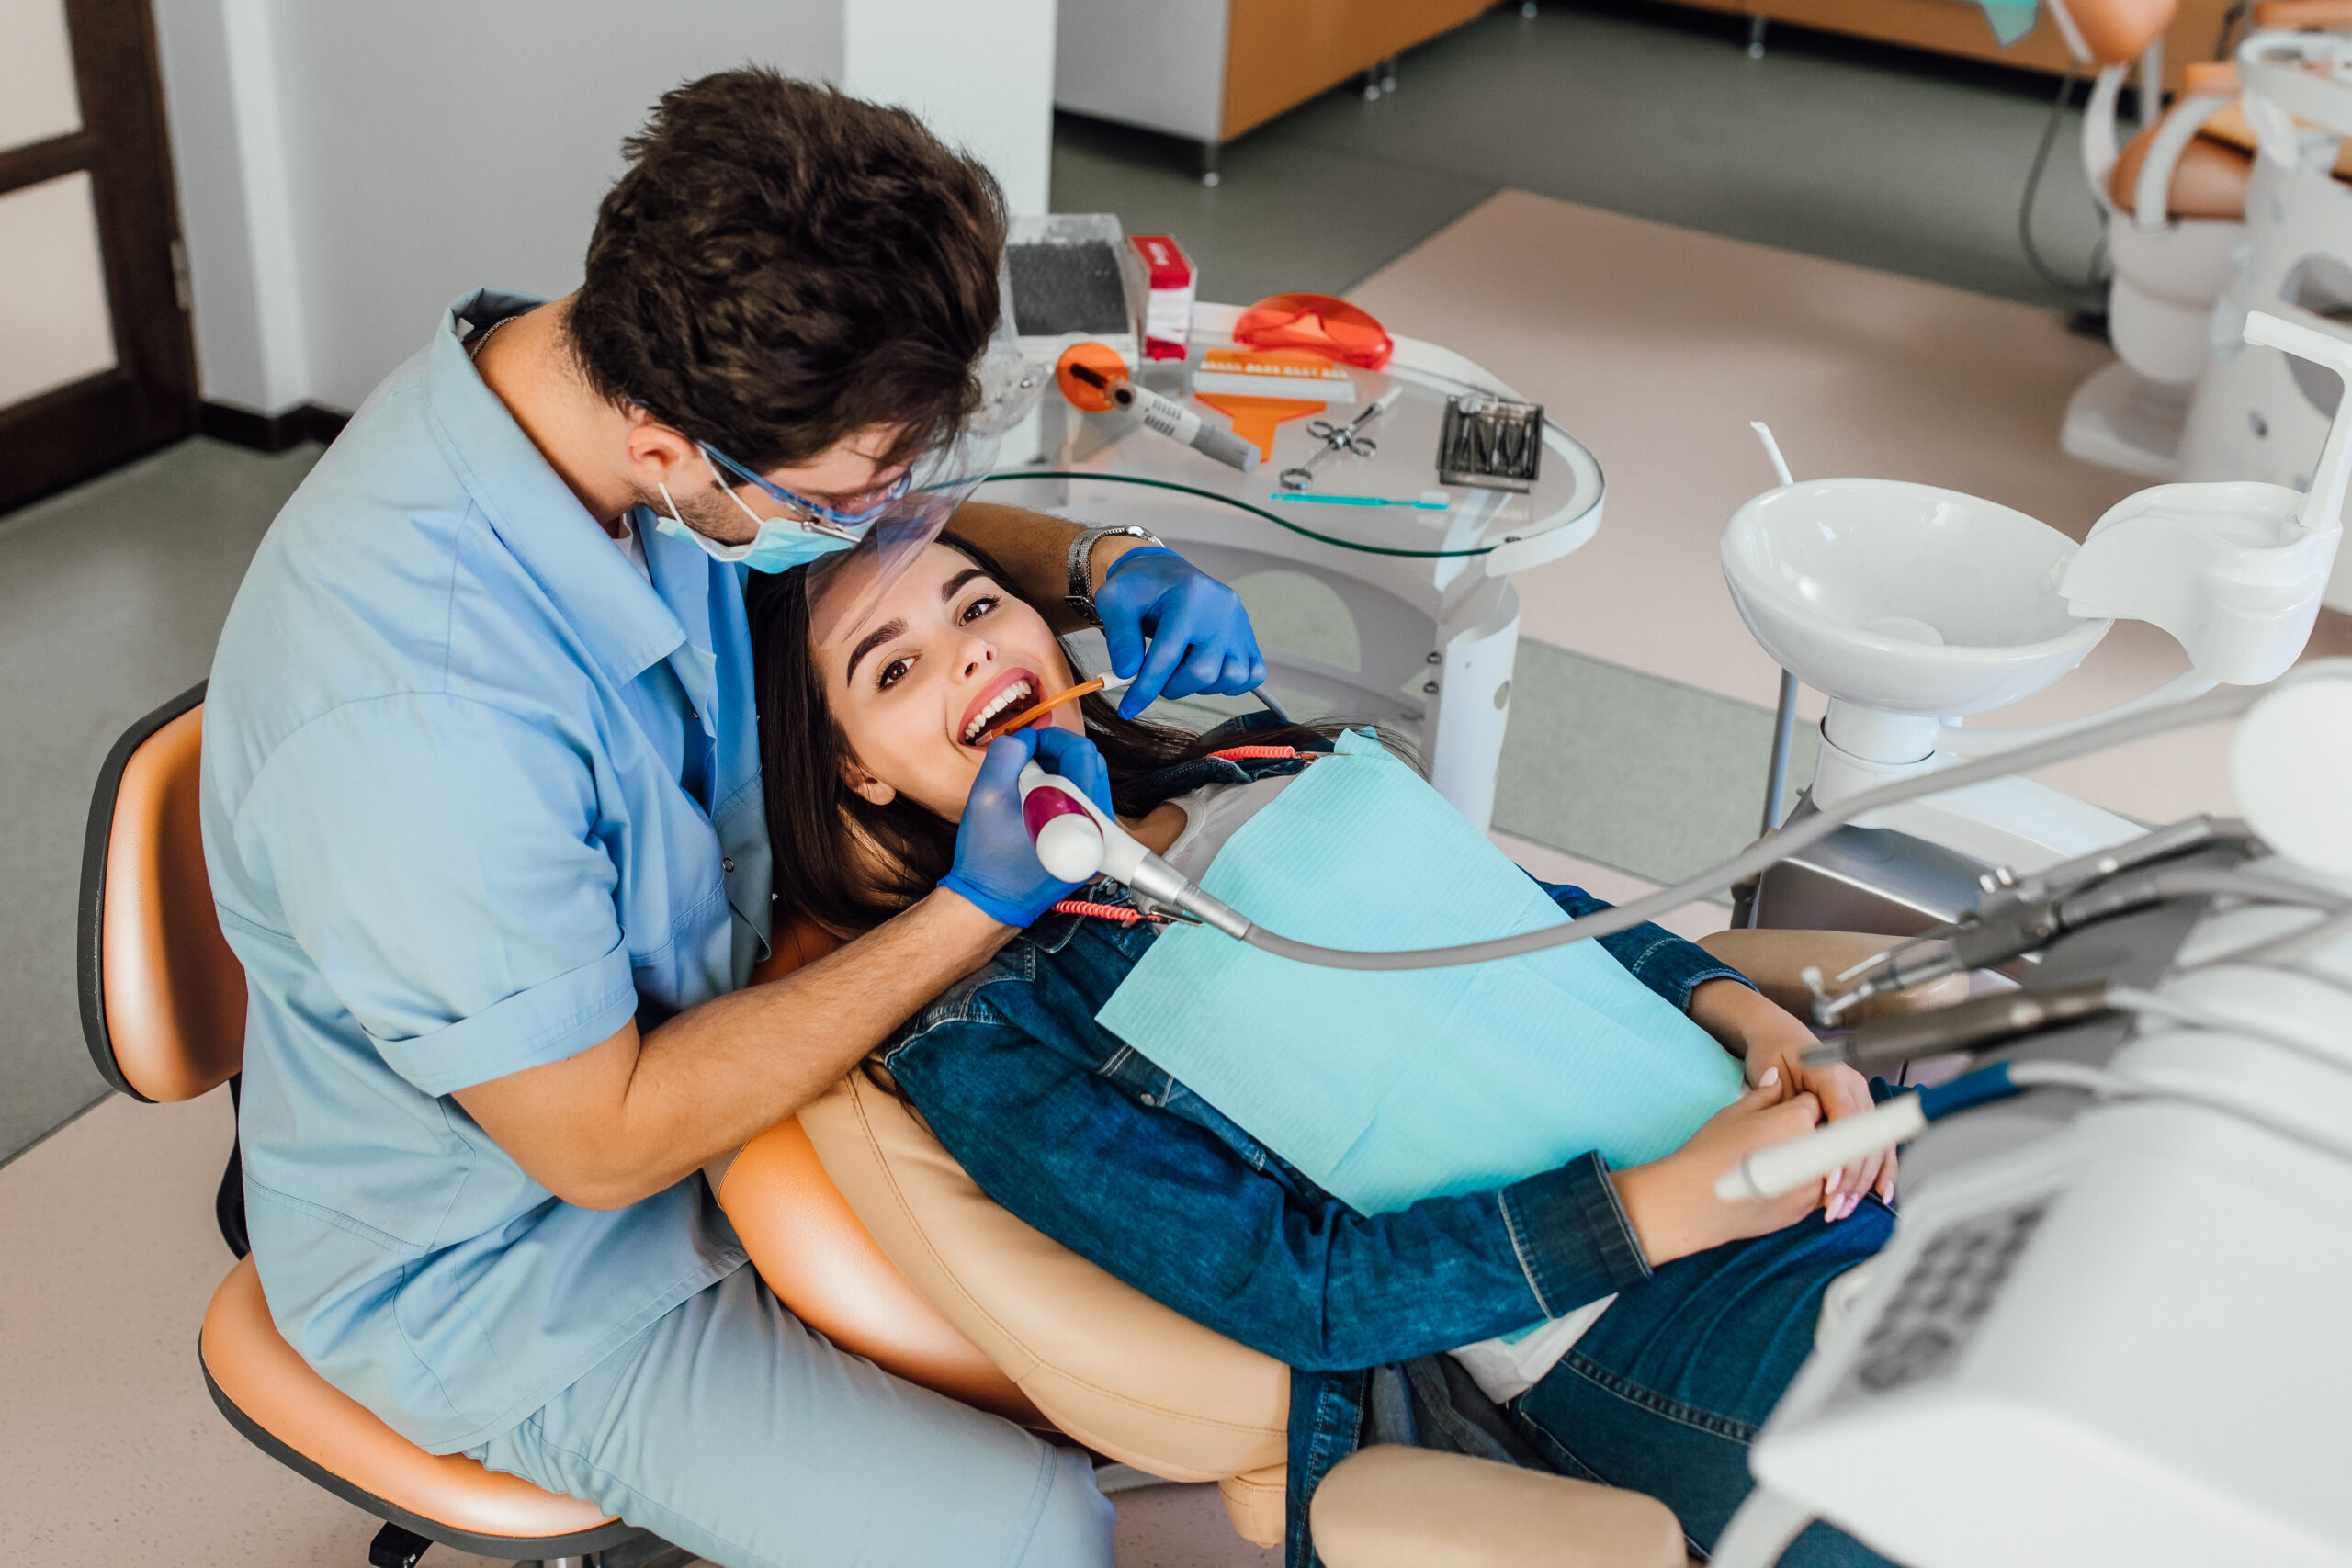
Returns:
<point x="164" y="1014"/>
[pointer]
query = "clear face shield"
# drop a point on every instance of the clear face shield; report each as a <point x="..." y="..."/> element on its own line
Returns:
<point x="844" y="586"/>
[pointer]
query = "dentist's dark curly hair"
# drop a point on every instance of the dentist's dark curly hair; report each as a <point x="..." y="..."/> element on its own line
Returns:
<point x="783" y="266"/>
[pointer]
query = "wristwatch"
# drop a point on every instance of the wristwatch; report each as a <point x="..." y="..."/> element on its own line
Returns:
<point x="1079" y="567"/>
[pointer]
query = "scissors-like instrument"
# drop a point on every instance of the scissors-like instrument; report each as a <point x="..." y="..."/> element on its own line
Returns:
<point x="1348" y="437"/>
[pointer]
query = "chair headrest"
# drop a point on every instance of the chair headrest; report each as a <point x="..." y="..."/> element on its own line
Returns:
<point x="2118" y="30"/>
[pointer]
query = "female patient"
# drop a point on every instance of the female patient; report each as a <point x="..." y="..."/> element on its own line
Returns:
<point x="1623" y="1325"/>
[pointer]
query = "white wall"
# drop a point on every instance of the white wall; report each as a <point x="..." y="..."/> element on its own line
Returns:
<point x="346" y="170"/>
<point x="979" y="71"/>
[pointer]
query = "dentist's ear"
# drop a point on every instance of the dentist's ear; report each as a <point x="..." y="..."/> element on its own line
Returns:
<point x="873" y="790"/>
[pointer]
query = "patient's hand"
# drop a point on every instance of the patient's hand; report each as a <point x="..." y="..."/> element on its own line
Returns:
<point x="1671" y="1202"/>
<point x="1766" y="1036"/>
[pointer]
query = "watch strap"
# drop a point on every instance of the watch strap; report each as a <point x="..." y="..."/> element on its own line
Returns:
<point x="1079" y="568"/>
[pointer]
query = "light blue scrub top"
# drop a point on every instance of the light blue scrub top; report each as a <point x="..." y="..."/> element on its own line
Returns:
<point x="475" y="794"/>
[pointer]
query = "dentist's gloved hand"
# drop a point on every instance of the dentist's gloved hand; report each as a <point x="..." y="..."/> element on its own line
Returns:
<point x="1176" y="629"/>
<point x="996" y="862"/>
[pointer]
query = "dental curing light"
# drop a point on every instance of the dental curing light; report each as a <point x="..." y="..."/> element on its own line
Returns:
<point x="1094" y="380"/>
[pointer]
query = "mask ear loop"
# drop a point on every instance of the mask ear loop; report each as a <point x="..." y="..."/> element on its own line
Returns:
<point x="673" y="524"/>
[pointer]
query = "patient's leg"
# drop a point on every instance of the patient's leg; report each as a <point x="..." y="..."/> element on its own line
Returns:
<point x="1666" y="1390"/>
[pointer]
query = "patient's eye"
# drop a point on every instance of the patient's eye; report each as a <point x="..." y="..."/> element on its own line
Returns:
<point x="891" y="673"/>
<point x="980" y="606"/>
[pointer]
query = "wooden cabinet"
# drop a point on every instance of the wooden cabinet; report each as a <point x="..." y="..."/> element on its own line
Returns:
<point x="1209" y="70"/>
<point x="1958" y="27"/>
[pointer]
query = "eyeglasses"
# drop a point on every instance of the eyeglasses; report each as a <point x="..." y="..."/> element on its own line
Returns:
<point x="814" y="514"/>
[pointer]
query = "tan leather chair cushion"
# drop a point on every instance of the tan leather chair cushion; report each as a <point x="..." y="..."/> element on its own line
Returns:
<point x="1387" y="1506"/>
<point x="2230" y="127"/>
<point x="262" y="1377"/>
<point x="1776" y="960"/>
<point x="2210" y="181"/>
<point x="175" y="994"/>
<point x="823" y="1264"/>
<point x="1107" y="1364"/>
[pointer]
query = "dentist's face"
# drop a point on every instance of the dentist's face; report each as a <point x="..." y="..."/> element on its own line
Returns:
<point x="946" y="653"/>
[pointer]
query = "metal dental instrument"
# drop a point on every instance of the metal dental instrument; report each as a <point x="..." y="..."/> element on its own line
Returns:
<point x="1338" y="438"/>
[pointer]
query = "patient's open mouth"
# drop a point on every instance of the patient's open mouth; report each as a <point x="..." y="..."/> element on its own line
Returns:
<point x="1013" y="688"/>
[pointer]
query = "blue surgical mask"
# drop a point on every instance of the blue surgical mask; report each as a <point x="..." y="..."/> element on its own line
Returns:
<point x="781" y="544"/>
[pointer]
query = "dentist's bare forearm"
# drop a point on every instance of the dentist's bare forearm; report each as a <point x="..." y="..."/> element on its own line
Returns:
<point x="634" y="1115"/>
<point x="1034" y="549"/>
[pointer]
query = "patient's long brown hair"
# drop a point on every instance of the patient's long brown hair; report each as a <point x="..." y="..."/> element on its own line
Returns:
<point x="850" y="865"/>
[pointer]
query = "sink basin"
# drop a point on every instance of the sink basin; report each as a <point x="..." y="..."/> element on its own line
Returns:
<point x="1904" y="598"/>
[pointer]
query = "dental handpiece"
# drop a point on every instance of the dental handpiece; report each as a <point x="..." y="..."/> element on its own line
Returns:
<point x="1076" y="839"/>
<point x="1969" y="1026"/>
<point x="2018" y="918"/>
<point x="1172" y="419"/>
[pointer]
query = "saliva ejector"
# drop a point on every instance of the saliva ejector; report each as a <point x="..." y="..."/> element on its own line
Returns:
<point x="1078" y="841"/>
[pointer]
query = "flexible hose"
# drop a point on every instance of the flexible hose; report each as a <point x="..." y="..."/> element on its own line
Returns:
<point x="2213" y="707"/>
<point x="2091" y="281"/>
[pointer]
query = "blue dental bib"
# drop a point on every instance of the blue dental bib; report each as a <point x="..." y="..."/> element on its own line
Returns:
<point x="1389" y="1087"/>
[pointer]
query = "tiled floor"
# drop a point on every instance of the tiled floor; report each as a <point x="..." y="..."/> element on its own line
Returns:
<point x="1656" y="346"/>
<point x="110" y="598"/>
<point x="1827" y="146"/>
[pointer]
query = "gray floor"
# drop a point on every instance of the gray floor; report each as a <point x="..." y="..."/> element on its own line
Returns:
<point x="1889" y="159"/>
<point x="111" y="596"/>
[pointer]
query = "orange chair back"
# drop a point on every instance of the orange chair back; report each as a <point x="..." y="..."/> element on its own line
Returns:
<point x="163" y="997"/>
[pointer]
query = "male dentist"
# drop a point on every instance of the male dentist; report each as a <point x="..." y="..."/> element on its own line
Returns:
<point x="482" y="811"/>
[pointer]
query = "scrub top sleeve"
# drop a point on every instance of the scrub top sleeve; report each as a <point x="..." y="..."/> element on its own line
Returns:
<point x="437" y="860"/>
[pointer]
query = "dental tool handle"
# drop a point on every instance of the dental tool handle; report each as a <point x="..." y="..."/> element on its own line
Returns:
<point x="1785" y="1167"/>
<point x="1967" y="1026"/>
<point x="1178" y="423"/>
<point x="1060" y="818"/>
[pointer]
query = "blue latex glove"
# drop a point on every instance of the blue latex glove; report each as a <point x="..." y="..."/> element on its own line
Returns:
<point x="1176" y="629"/>
<point x="996" y="862"/>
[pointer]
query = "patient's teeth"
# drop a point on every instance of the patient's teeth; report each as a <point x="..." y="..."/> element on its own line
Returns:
<point x="996" y="705"/>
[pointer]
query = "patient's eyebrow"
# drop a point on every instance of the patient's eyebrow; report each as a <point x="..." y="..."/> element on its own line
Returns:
<point x="871" y="641"/>
<point x="955" y="585"/>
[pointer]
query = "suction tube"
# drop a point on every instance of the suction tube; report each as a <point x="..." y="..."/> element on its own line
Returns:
<point x="2228" y="703"/>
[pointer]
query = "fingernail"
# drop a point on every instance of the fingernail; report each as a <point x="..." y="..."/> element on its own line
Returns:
<point x="1771" y="1076"/>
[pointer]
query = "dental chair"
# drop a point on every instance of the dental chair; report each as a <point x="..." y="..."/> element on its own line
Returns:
<point x="2174" y="203"/>
<point x="862" y="1225"/>
<point x="868" y="1228"/>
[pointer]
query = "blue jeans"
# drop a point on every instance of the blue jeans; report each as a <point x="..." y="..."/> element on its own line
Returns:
<point x="1666" y="1390"/>
<point x="730" y="1429"/>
